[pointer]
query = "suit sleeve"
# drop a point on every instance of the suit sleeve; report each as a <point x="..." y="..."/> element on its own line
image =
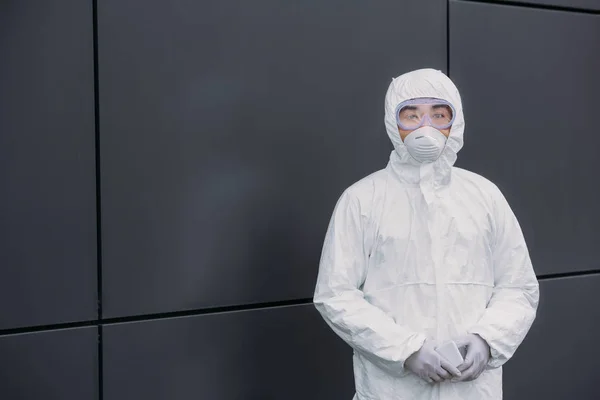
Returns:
<point x="340" y="301"/>
<point x="514" y="301"/>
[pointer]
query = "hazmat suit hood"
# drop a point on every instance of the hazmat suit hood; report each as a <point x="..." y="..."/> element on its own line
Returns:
<point x="425" y="82"/>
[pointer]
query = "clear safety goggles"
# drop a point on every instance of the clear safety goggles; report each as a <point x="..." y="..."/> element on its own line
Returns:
<point x="414" y="113"/>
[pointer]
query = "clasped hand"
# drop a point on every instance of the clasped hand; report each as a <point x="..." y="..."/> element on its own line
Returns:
<point x="430" y="366"/>
<point x="476" y="359"/>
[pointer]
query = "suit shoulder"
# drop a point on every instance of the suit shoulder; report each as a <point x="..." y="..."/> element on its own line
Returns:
<point x="364" y="188"/>
<point x="476" y="180"/>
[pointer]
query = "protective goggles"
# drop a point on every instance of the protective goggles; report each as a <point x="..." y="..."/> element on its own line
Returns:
<point x="414" y="113"/>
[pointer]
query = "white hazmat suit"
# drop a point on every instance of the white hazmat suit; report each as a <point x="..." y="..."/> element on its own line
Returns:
<point x="424" y="250"/>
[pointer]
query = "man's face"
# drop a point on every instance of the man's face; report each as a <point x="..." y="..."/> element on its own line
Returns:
<point x="438" y="115"/>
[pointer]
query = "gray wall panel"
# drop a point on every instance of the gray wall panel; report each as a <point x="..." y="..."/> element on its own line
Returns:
<point x="582" y="4"/>
<point x="557" y="359"/>
<point x="47" y="163"/>
<point x="528" y="80"/>
<point x="51" y="365"/>
<point x="228" y="131"/>
<point x="269" y="354"/>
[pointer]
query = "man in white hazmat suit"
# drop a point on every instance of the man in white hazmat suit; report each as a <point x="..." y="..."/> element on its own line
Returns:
<point x="422" y="252"/>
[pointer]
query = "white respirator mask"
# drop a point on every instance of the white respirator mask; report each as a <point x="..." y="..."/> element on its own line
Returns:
<point x="425" y="144"/>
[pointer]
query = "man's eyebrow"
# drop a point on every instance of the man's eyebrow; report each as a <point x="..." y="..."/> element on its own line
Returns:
<point x="411" y="108"/>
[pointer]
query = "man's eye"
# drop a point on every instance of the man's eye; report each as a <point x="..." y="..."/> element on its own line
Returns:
<point x="439" y="116"/>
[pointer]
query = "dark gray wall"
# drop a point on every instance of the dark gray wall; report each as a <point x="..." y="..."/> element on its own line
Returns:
<point x="47" y="163"/>
<point x="531" y="111"/>
<point x="51" y="365"/>
<point x="226" y="132"/>
<point x="583" y="5"/>
<point x="265" y="354"/>
<point x="224" y="147"/>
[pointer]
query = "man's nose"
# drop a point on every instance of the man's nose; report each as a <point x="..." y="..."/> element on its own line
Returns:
<point x="426" y="120"/>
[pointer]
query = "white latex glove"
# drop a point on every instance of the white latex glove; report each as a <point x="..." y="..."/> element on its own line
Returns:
<point x="476" y="359"/>
<point x="429" y="365"/>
